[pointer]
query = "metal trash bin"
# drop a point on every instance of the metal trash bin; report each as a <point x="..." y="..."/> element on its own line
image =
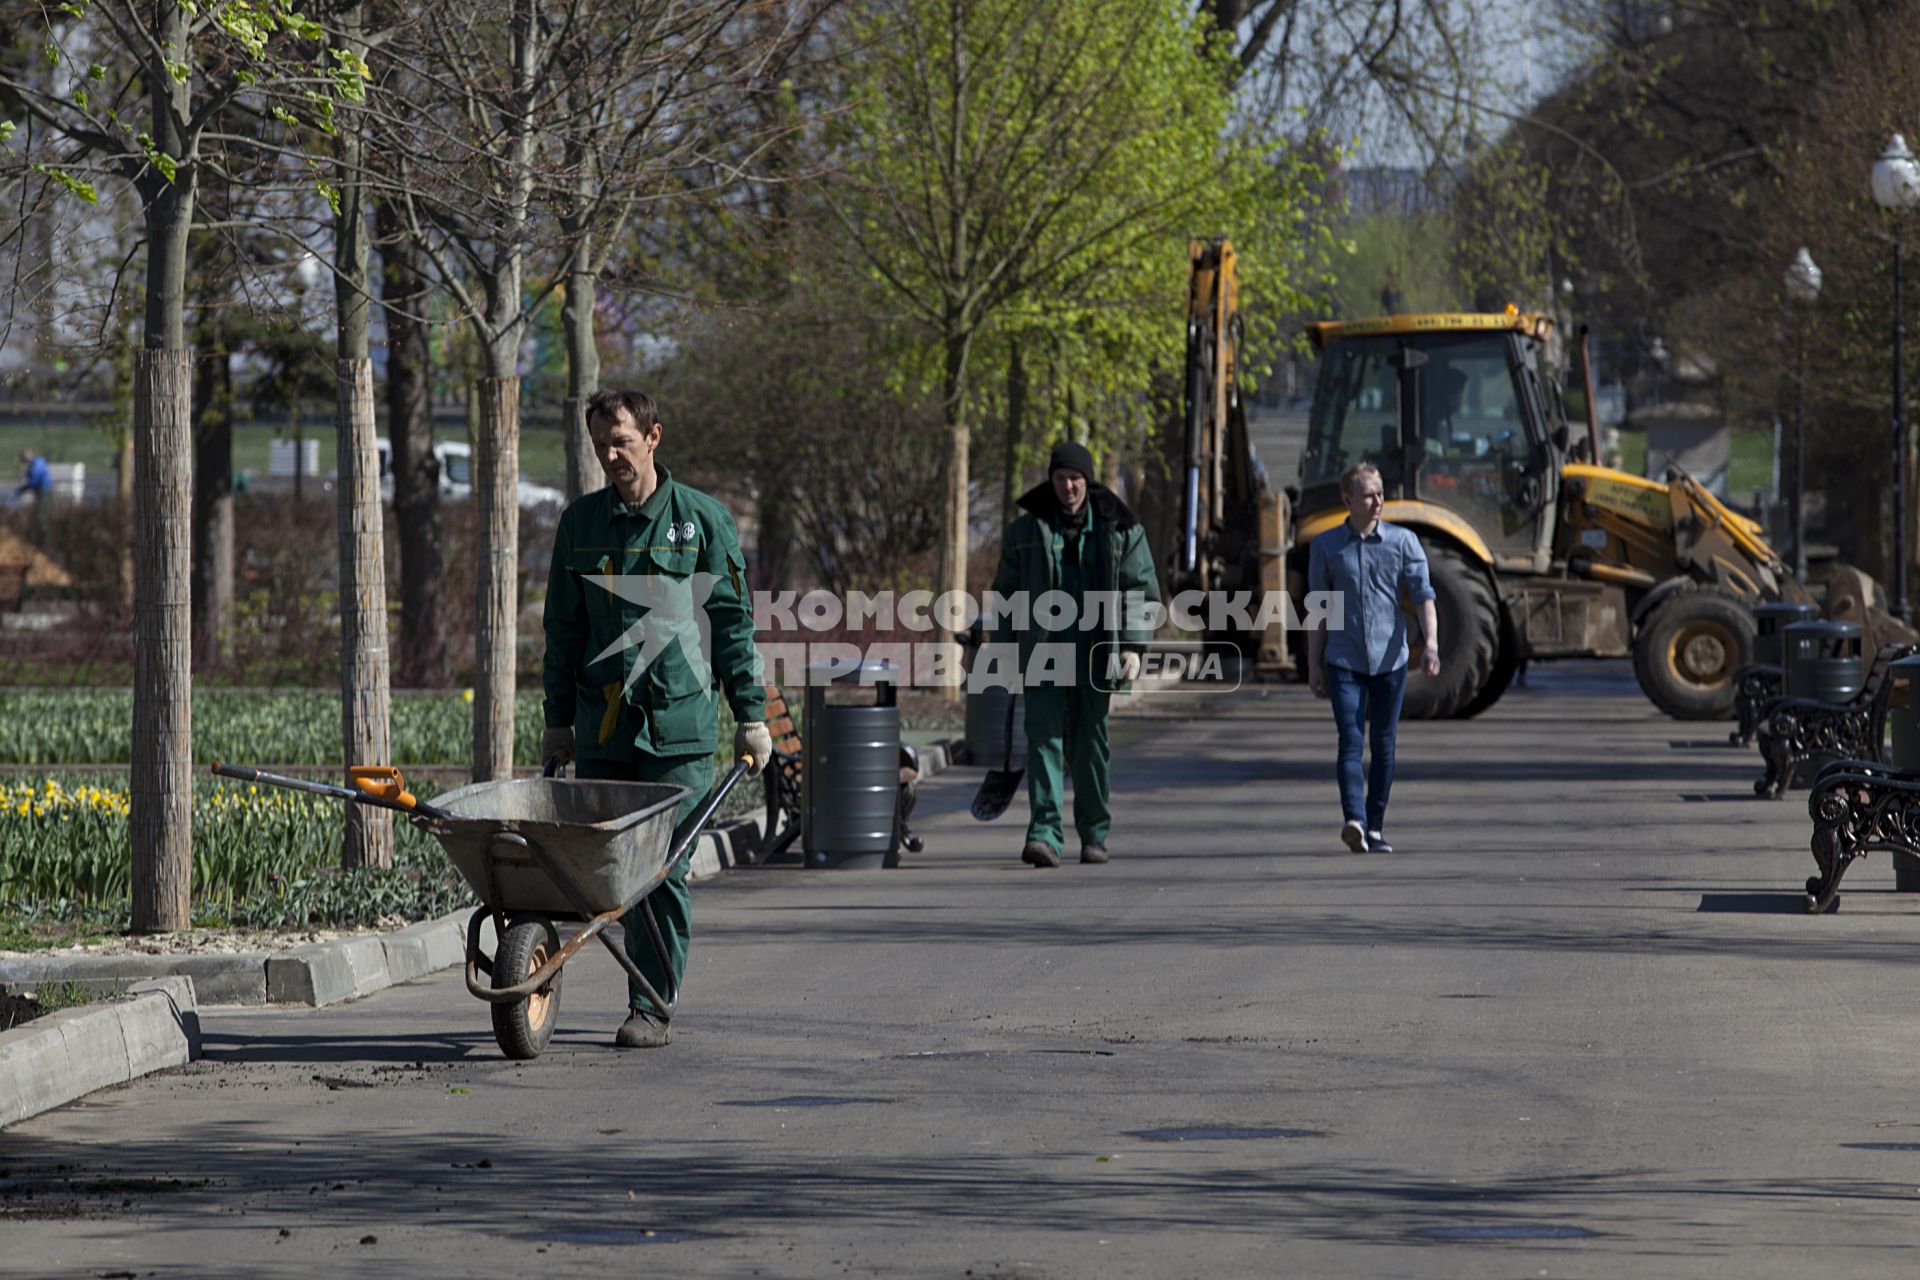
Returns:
<point x="987" y="728"/>
<point x="1822" y="660"/>
<point x="1768" y="621"/>
<point x="850" y="765"/>
<point x="1903" y="727"/>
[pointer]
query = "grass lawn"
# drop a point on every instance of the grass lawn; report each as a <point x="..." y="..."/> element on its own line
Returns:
<point x="543" y="458"/>
<point x="1749" y="468"/>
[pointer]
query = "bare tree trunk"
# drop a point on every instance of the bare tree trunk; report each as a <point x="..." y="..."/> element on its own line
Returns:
<point x="583" y="367"/>
<point x="123" y="491"/>
<point x="212" y="505"/>
<point x="1016" y="430"/>
<point x="955" y="533"/>
<point x="363" y="612"/>
<point x="161" y="781"/>
<point x="496" y="452"/>
<point x="496" y="491"/>
<point x="363" y="560"/>
<point x="422" y="660"/>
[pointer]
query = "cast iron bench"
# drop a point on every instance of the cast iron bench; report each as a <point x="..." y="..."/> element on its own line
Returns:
<point x="784" y="819"/>
<point x="1858" y="806"/>
<point x="1755" y="685"/>
<point x="1794" y="730"/>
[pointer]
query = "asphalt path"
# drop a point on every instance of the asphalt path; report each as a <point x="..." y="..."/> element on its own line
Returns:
<point x="1577" y="1026"/>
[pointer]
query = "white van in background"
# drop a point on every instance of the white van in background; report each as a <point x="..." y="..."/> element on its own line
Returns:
<point x="456" y="476"/>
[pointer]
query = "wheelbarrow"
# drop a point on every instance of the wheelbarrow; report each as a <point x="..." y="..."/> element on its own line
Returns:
<point x="537" y="851"/>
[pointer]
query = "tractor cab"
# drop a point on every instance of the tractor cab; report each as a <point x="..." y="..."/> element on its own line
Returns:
<point x="1457" y="411"/>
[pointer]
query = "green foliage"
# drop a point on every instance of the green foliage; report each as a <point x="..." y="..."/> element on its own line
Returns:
<point x="1031" y="177"/>
<point x="262" y="857"/>
<point x="1409" y="252"/>
<point x="44" y="726"/>
<point x="159" y="159"/>
<point x="74" y="186"/>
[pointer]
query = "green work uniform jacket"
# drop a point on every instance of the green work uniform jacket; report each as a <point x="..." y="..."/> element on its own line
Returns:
<point x="623" y="663"/>
<point x="1116" y="559"/>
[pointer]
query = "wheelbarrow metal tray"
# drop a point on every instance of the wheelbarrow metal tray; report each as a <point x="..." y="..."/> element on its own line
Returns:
<point x="610" y="839"/>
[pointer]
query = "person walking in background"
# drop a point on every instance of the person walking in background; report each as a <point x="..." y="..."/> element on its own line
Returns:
<point x="38" y="482"/>
<point x="627" y="697"/>
<point x="1074" y="535"/>
<point x="1362" y="668"/>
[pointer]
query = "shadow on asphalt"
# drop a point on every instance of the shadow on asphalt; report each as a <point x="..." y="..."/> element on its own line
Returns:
<point x="1755" y="904"/>
<point x="506" y="1186"/>
<point x="227" y="1047"/>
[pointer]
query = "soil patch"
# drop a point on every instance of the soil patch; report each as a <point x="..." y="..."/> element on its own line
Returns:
<point x="15" y="1010"/>
<point x="195" y="942"/>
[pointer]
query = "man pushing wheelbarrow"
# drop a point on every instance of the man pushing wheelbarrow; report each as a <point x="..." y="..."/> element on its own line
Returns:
<point x="630" y="685"/>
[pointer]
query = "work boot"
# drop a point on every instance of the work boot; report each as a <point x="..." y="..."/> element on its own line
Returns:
<point x="1377" y="843"/>
<point x="1355" y="836"/>
<point x="1039" y="853"/>
<point x="642" y="1031"/>
<point x="1095" y="853"/>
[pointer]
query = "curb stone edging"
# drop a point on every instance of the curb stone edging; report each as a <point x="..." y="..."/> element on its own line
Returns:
<point x="66" y="1055"/>
<point x="318" y="974"/>
<point x="323" y="973"/>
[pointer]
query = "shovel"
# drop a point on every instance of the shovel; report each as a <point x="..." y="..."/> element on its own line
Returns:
<point x="1000" y="785"/>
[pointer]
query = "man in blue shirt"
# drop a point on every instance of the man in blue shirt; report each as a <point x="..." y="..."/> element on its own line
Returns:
<point x="1362" y="668"/>
<point x="39" y="483"/>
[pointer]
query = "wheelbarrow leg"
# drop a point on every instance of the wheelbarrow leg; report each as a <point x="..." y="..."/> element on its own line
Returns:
<point x="559" y="877"/>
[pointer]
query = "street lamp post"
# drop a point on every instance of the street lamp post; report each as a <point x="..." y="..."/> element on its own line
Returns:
<point x="1896" y="188"/>
<point x="1803" y="288"/>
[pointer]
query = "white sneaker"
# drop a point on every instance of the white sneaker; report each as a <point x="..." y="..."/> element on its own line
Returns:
<point x="1355" y="837"/>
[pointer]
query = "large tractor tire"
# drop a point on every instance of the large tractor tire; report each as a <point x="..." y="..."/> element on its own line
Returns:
<point x="1469" y="615"/>
<point x="1504" y="668"/>
<point x="1688" y="650"/>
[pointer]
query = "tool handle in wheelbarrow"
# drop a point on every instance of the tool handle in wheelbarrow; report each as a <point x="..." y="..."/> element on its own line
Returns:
<point x="382" y="784"/>
<point x="687" y="832"/>
<point x="246" y="773"/>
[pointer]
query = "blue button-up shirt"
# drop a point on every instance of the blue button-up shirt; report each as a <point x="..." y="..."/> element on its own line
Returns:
<point x="1369" y="573"/>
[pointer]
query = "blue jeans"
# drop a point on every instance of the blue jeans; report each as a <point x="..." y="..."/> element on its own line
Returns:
<point x="1374" y="701"/>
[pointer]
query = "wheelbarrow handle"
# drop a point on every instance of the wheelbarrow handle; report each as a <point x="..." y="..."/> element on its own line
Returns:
<point x="246" y="773"/>
<point x="689" y="831"/>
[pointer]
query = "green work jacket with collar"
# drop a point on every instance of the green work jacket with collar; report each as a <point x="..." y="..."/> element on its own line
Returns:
<point x="1115" y="559"/>
<point x="603" y="553"/>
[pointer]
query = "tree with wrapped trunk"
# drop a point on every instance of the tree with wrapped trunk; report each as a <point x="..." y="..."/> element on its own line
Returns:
<point x="463" y="169"/>
<point x="188" y="64"/>
<point x="364" y="690"/>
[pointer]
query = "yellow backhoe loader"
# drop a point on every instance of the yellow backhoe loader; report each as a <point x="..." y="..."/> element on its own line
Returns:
<point x="1536" y="552"/>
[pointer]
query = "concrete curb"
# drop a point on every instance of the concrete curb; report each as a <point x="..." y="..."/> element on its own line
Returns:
<point x="732" y="842"/>
<point x="324" y="973"/>
<point x="67" y="1055"/>
<point x="318" y="974"/>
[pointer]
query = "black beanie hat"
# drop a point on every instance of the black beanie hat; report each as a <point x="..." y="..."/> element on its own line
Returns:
<point x="1069" y="456"/>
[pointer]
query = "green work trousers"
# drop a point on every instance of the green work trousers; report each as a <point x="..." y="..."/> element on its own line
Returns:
<point x="671" y="904"/>
<point x="1067" y="730"/>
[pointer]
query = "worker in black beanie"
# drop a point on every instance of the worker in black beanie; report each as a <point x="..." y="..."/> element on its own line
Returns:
<point x="1076" y="536"/>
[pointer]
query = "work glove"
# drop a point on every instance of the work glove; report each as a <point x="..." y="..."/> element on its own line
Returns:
<point x="1129" y="666"/>
<point x="752" y="739"/>
<point x="556" y="741"/>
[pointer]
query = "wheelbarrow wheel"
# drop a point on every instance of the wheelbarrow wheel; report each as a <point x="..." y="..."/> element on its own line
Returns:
<point x="523" y="1027"/>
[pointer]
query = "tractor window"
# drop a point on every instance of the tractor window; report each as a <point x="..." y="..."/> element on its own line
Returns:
<point x="1470" y="409"/>
<point x="1356" y="412"/>
<point x="1478" y="457"/>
